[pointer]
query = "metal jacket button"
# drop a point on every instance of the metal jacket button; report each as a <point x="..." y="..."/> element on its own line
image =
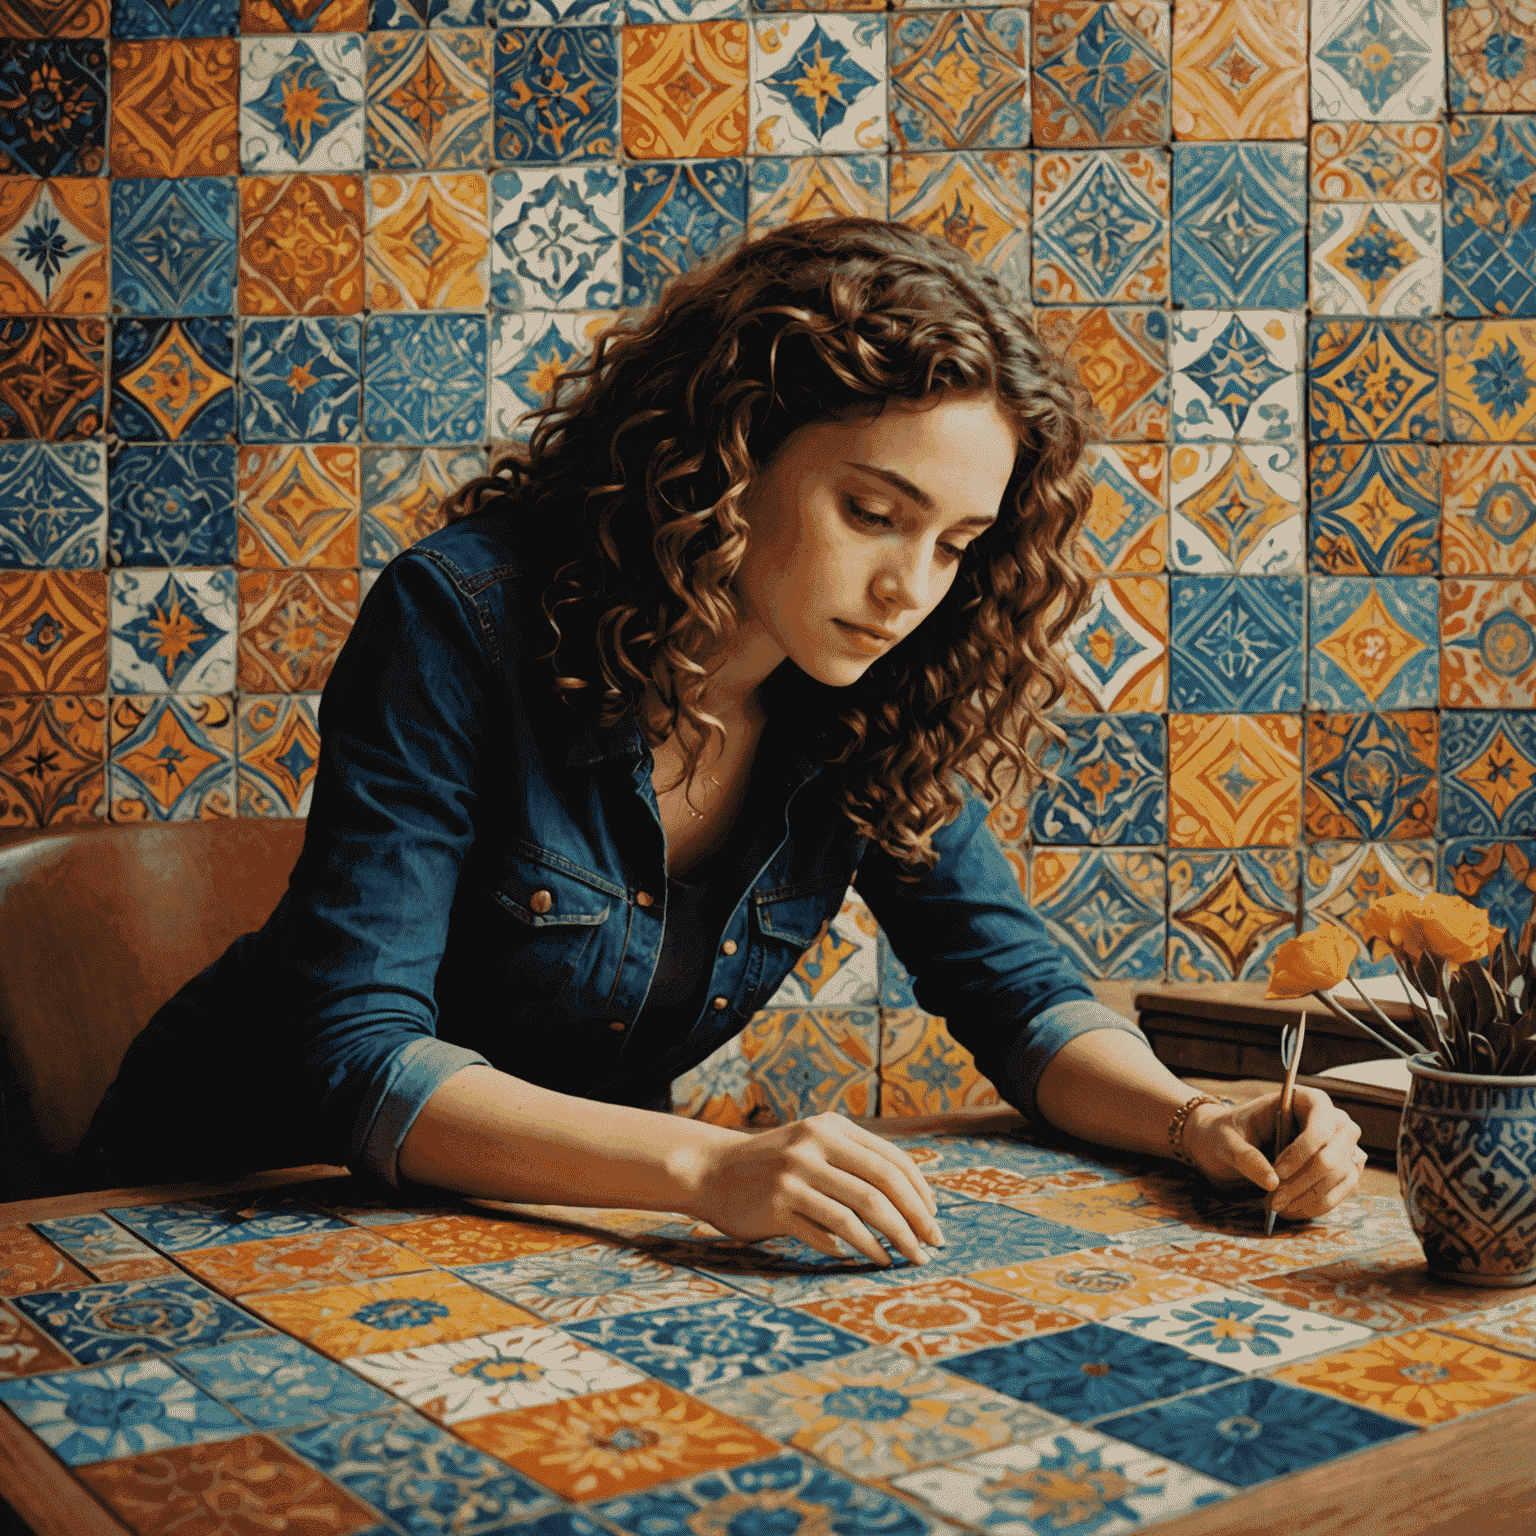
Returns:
<point x="729" y="947"/>
<point x="540" y="902"/>
<point x="643" y="898"/>
<point x="720" y="1002"/>
<point x="617" y="1026"/>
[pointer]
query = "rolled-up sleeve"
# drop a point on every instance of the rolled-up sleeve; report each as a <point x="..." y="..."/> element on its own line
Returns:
<point x="982" y="959"/>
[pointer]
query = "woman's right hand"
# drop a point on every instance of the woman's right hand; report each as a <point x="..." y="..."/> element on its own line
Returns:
<point x="818" y="1180"/>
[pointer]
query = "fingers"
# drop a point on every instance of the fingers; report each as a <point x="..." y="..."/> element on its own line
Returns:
<point x="901" y="1160"/>
<point x="890" y="1171"/>
<point x="1320" y="1122"/>
<point x="1333" y="1165"/>
<point x="841" y="1220"/>
<point x="1247" y="1160"/>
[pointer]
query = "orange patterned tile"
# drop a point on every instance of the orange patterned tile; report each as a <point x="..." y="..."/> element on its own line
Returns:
<point x="175" y="107"/>
<point x="308" y="1260"/>
<point x="57" y="18"/>
<point x="304" y="15"/>
<point x="1234" y="781"/>
<point x="1240" y="71"/>
<point x="292" y="625"/>
<point x="998" y="1185"/>
<point x="1364" y="162"/>
<point x="399" y="1313"/>
<point x="53" y="631"/>
<point x="1230" y="1260"/>
<point x="1106" y="1208"/>
<point x="941" y="1318"/>
<point x="428" y="243"/>
<point x="924" y="1070"/>
<point x="301" y="245"/>
<point x="53" y="759"/>
<point x="53" y="252"/>
<point x="685" y="90"/>
<point x="1095" y="1283"/>
<point x="461" y="1240"/>
<point x="24" y="1351"/>
<point x="299" y="505"/>
<point x="29" y="1263"/>
<point x="608" y="1443"/>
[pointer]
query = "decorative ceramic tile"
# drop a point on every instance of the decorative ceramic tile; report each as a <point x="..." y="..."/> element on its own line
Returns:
<point x="1095" y="1283"/>
<point x="960" y="79"/>
<point x="176" y="1226"/>
<point x="428" y="241"/>
<point x="1387" y="1290"/>
<point x="276" y="1383"/>
<point x="1488" y="768"/>
<point x="464" y="1239"/>
<point x="106" y="1249"/>
<point x="608" y="1443"/>
<point x="685" y="90"/>
<point x="168" y="18"/>
<point x="53" y="246"/>
<point x="1234" y="781"/>
<point x="1373" y="642"/>
<point x="555" y="239"/>
<point x="1498" y="876"/>
<point x="816" y="1060"/>
<point x="1100" y="73"/>
<point x="53" y="121"/>
<point x="1234" y="642"/>
<point x="1371" y="777"/>
<point x="1010" y="1154"/>
<point x="175" y="107"/>
<point x="1121" y="355"/>
<point x="173" y="380"/>
<point x="429" y="100"/>
<point x="301" y="245"/>
<point x="817" y="85"/>
<point x="1378" y="60"/>
<point x="30" y="1263"/>
<point x="1375" y="259"/>
<point x="1490" y="389"/>
<point x="119" y="1410"/>
<point x="838" y="971"/>
<point x="173" y="245"/>
<point x="1110" y="1209"/>
<point x="996" y="1184"/>
<point x="1126" y="527"/>
<point x="425" y="379"/>
<point x="51" y="378"/>
<point x="787" y="190"/>
<point x="52" y="759"/>
<point x="557" y="94"/>
<point x="1117" y="651"/>
<point x="1235" y="376"/>
<point x="52" y="504"/>
<point x="306" y="15"/>
<point x="1424" y="1378"/>
<point x="1363" y="162"/>
<point x="293" y="1263"/>
<point x="1490" y="258"/>
<point x="1224" y="1261"/>
<point x="923" y="1070"/>
<point x="1511" y="1327"/>
<point x="1229" y="912"/>
<point x="1240" y="72"/>
<point x="292" y="624"/>
<point x="298" y="506"/>
<point x="421" y="1476"/>
<point x="173" y="632"/>
<point x="1374" y="381"/>
<point x="1491" y="66"/>
<point x="1488" y="644"/>
<point x="1112" y="783"/>
<point x="1375" y="509"/>
<point x="529" y="352"/>
<point x="1239" y="225"/>
<point x="1237" y="508"/>
<point x="172" y="504"/>
<point x="24" y="1351"/>
<point x="1343" y="879"/>
<point x="299" y="380"/>
<point x="667" y="10"/>
<point x="172" y="757"/>
<point x="53" y="633"/>
<point x="1240" y="1332"/>
<point x="277" y="754"/>
<point x="1489" y="507"/>
<point x="1106" y="908"/>
<point x="1101" y="227"/>
<point x="1071" y="1477"/>
<point x="403" y="492"/>
<point x="392" y="15"/>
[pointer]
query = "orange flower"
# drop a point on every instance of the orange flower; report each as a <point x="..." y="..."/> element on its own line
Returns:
<point x="1311" y="962"/>
<point x="1446" y="927"/>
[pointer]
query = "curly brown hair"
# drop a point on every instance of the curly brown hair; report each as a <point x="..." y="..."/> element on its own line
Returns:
<point x="628" y="496"/>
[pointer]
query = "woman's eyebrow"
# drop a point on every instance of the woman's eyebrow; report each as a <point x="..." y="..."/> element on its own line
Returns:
<point x="917" y="493"/>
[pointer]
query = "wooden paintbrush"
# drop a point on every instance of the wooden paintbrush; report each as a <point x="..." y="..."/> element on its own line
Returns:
<point x="1285" y="1121"/>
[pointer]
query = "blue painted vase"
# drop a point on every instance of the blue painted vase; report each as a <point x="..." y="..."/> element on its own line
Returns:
<point x="1466" y="1165"/>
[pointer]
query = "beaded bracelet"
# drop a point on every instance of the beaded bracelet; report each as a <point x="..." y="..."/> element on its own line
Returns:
<point x="1180" y="1115"/>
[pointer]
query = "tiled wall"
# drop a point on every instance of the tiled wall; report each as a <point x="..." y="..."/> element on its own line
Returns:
<point x="275" y="274"/>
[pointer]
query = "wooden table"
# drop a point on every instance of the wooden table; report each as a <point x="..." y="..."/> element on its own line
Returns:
<point x="1480" y="1468"/>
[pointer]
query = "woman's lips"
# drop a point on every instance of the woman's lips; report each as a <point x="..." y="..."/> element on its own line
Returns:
<point x="862" y="639"/>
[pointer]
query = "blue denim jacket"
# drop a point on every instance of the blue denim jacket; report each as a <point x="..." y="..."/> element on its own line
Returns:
<point x="483" y="880"/>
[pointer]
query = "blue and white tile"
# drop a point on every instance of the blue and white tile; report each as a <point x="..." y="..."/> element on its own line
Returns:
<point x="277" y="1382"/>
<point x="1378" y="61"/>
<point x="675" y="214"/>
<point x="1236" y="376"/>
<point x="1112" y="786"/>
<point x="301" y="103"/>
<point x="173" y="245"/>
<point x="178" y="1225"/>
<point x="818" y="84"/>
<point x="425" y="379"/>
<point x="1233" y="647"/>
<point x="528" y="353"/>
<point x="1107" y="907"/>
<point x="1376" y="259"/>
<point x="1100" y="227"/>
<point x="52" y="505"/>
<point x="1487" y="773"/>
<point x="1237" y="509"/>
<point x="173" y="631"/>
<point x="299" y="380"/>
<point x="95" y="1239"/>
<point x="172" y="504"/>
<point x="572" y="13"/>
<point x="555" y="238"/>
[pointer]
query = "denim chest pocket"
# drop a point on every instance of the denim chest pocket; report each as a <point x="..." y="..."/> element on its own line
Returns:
<point x="795" y="914"/>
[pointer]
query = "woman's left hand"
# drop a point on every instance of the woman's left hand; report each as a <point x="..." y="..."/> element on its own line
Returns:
<point x="1320" y="1168"/>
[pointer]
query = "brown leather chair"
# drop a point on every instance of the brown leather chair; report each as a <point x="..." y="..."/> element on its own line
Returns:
<point x="99" y="925"/>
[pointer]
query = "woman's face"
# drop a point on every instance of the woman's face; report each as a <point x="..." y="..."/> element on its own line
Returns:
<point x="856" y="529"/>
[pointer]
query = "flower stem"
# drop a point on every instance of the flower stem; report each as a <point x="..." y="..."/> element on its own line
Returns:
<point x="1388" y="1024"/>
<point x="1343" y="1014"/>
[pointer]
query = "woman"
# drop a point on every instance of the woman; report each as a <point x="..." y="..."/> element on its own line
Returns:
<point x="769" y="604"/>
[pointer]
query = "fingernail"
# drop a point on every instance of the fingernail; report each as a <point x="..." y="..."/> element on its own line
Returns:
<point x="938" y="1238"/>
<point x="1278" y="1203"/>
<point x="922" y="1258"/>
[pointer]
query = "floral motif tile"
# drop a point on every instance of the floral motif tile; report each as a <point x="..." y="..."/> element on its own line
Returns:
<point x="1215" y="1261"/>
<point x="940" y="1318"/>
<point x="1387" y="1289"/>
<point x="173" y="380"/>
<point x="840" y="970"/>
<point x="959" y="79"/>
<point x="58" y="18"/>
<point x="786" y="190"/>
<point x="1235" y="376"/>
<point x="1423" y="1378"/>
<point x="172" y="504"/>
<point x="53" y="246"/>
<point x="175" y="107"/>
<point x="685" y="90"/>
<point x="529" y="352"/>
<point x="1488" y="644"/>
<point x="1069" y="1477"/>
<point x="1239" y="226"/>
<point x="30" y="1263"/>
<point x="276" y="1382"/>
<point x="301" y="104"/>
<point x="1343" y="879"/>
<point x="1511" y="1327"/>
<point x="603" y="1444"/>
<point x="277" y="753"/>
<point x="1107" y="1208"/>
<point x="429" y="99"/>
<point x="51" y="378"/>
<point x="461" y="1240"/>
<point x="1498" y="876"/>
<point x="815" y="1060"/>
<point x="1100" y="73"/>
<point x="173" y="245"/>
<point x="120" y="1410"/>
<point x="1234" y="780"/>
<point x="555" y="238"/>
<point x="1377" y="60"/>
<point x="54" y="118"/>
<point x="53" y="633"/>
<point x="1236" y="508"/>
<point x="172" y="631"/>
<point x="403" y="490"/>
<point x="301" y="245"/>
<point x="1117" y="651"/>
<point x="176" y="1226"/>
<point x="1375" y="509"/>
<point x="1228" y="912"/>
<point x="1375" y="259"/>
<point x="1490" y="385"/>
<point x="293" y="1263"/>
<point x="1373" y="777"/>
<point x="1126" y="527"/>
<point x="1488" y="772"/>
<point x="1234" y="642"/>
<point x="52" y="759"/>
<point x="425" y="379"/>
<point x="299" y="379"/>
<point x="817" y="85"/>
<point x="1374" y="381"/>
<point x="423" y="1477"/>
<point x="24" y="1351"/>
<point x="1374" y="642"/>
<point x="1100" y="226"/>
<point x="1490" y="258"/>
<point x="1112" y="786"/>
<point x="171" y="757"/>
<point x="1240" y="1332"/>
<point x="557" y="94"/>
<point x="1121" y="356"/>
<point x="292" y="625"/>
<point x="1106" y="907"/>
<point x="428" y="242"/>
<point x="1247" y="1432"/>
<point x="1094" y="1283"/>
<point x="1489" y="511"/>
<point x="310" y="15"/>
<point x="1491" y="65"/>
<point x="298" y="506"/>
<point x="107" y="1250"/>
<point x="52" y="504"/>
<point x="978" y="200"/>
<point x="167" y="18"/>
<point x="1240" y="72"/>
<point x="1361" y="162"/>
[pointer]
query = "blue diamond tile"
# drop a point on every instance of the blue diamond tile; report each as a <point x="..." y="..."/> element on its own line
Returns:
<point x="1234" y="644"/>
<point x="1377" y="60"/>
<point x="674" y="215"/>
<point x="1107" y="907"/>
<point x="276" y="1382"/>
<point x="301" y="104"/>
<point x="1487" y="772"/>
<point x="411" y="15"/>
<point x="173" y="245"/>
<point x="299" y="380"/>
<point x="1101" y="227"/>
<point x="172" y="504"/>
<point x="426" y="379"/>
<point x="175" y="18"/>
<point x="1490" y="240"/>
<point x="1112" y="786"/>
<point x="52" y="497"/>
<point x="802" y="88"/>
<point x="1236" y="377"/>
<point x="555" y="95"/>
<point x="173" y="632"/>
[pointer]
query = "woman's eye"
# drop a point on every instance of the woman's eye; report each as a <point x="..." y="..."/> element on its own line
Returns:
<point x="952" y="551"/>
<point x="867" y="518"/>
